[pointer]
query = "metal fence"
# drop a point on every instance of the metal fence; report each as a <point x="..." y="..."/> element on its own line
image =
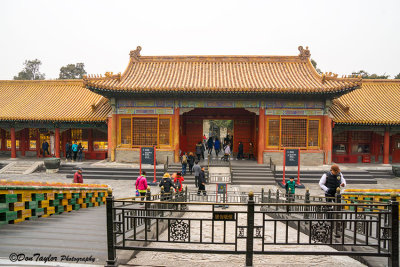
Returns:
<point x="252" y="228"/>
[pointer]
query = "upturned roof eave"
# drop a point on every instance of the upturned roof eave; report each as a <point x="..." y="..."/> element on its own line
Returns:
<point x="239" y="93"/>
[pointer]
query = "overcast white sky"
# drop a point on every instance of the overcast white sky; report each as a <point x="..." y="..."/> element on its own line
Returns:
<point x="343" y="36"/>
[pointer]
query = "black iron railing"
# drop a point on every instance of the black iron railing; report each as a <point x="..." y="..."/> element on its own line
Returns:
<point x="252" y="228"/>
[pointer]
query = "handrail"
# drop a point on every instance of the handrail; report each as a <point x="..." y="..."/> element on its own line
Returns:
<point x="166" y="165"/>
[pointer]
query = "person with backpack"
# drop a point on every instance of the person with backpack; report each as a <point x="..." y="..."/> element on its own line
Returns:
<point x="184" y="162"/>
<point x="80" y="151"/>
<point x="191" y="162"/>
<point x="141" y="185"/>
<point x="75" y="150"/>
<point x="178" y="179"/>
<point x="167" y="183"/>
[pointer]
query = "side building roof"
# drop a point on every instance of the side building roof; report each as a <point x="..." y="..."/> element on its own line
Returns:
<point x="376" y="103"/>
<point x="51" y="100"/>
<point x="237" y="75"/>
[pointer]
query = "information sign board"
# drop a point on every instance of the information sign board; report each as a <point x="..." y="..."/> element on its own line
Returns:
<point x="147" y="155"/>
<point x="292" y="157"/>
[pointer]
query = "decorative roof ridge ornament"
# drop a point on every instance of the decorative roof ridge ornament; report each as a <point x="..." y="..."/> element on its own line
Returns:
<point x="109" y="75"/>
<point x="344" y="107"/>
<point x="328" y="76"/>
<point x="135" y="54"/>
<point x="304" y="53"/>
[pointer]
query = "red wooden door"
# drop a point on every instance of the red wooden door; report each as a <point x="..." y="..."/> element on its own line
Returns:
<point x="194" y="133"/>
<point x="396" y="150"/>
<point x="242" y="132"/>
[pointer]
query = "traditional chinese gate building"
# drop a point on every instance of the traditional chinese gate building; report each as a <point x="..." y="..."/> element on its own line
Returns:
<point x="367" y="124"/>
<point x="58" y="112"/>
<point x="276" y="102"/>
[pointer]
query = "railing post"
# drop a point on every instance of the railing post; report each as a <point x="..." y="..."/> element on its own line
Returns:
<point x="111" y="259"/>
<point x="277" y="198"/>
<point x="186" y="194"/>
<point x="250" y="230"/>
<point x="269" y="195"/>
<point x="338" y="214"/>
<point x="288" y="200"/>
<point x="394" y="224"/>
<point x="306" y="201"/>
<point x="262" y="195"/>
<point x="147" y="206"/>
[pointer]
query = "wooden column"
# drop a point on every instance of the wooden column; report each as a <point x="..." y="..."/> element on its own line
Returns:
<point x="176" y="134"/>
<point x="90" y="140"/>
<point x="111" y="146"/>
<point x="22" y="142"/>
<point x="386" y="144"/>
<point x="64" y="143"/>
<point x="13" y="144"/>
<point x="57" y="142"/>
<point x="327" y="140"/>
<point x="261" y="136"/>
<point x="38" y="143"/>
<point x="3" y="139"/>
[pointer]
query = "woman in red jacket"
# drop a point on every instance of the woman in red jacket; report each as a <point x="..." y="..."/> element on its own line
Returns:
<point x="178" y="179"/>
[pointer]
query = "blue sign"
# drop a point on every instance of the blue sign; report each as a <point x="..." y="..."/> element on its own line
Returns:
<point x="221" y="188"/>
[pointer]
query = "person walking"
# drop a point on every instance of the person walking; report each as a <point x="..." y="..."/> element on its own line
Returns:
<point x="202" y="183"/>
<point x="217" y="146"/>
<point x="210" y="145"/>
<point x="45" y="148"/>
<point x="251" y="150"/>
<point x="290" y="188"/>
<point x="227" y="152"/>
<point x="80" y="151"/>
<point x="75" y="150"/>
<point x="68" y="151"/>
<point x="141" y="185"/>
<point x="330" y="181"/>
<point x="202" y="150"/>
<point x="199" y="149"/>
<point x="178" y="179"/>
<point x="78" y="177"/>
<point x="167" y="183"/>
<point x="184" y="161"/>
<point x="197" y="170"/>
<point x="240" y="151"/>
<point x="191" y="162"/>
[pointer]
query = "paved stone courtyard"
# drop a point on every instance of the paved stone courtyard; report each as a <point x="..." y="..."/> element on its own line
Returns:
<point x="122" y="189"/>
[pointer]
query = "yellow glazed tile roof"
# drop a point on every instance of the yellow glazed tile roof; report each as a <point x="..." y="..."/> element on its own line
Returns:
<point x="377" y="102"/>
<point x="252" y="74"/>
<point x="51" y="100"/>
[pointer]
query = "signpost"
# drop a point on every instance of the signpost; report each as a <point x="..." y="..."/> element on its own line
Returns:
<point x="148" y="156"/>
<point x="291" y="157"/>
<point x="222" y="189"/>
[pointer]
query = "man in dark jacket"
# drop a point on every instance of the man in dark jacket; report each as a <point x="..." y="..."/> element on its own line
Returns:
<point x="330" y="181"/>
<point x="202" y="183"/>
<point x="45" y="148"/>
<point x="167" y="183"/>
<point x="240" y="151"/>
<point x="68" y="151"/>
<point x="199" y="149"/>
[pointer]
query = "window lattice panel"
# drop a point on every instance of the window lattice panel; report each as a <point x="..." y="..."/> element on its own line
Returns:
<point x="144" y="131"/>
<point x="294" y="133"/>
